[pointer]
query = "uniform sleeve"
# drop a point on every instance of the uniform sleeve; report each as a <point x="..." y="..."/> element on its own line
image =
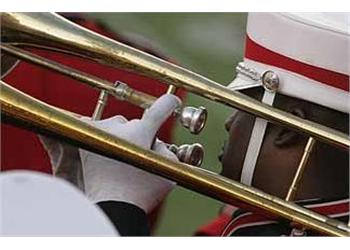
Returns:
<point x="127" y="218"/>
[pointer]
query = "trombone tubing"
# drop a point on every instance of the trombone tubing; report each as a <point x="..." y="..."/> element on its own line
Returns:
<point x="23" y="108"/>
<point x="133" y="96"/>
<point x="51" y="31"/>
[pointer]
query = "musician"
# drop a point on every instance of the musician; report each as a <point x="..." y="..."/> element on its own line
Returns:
<point x="309" y="56"/>
<point x="71" y="95"/>
<point x="285" y="68"/>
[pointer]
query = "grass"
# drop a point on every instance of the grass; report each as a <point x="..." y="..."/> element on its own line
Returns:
<point x="210" y="44"/>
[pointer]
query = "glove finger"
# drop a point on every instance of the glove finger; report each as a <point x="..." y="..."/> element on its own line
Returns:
<point x="159" y="112"/>
<point x="114" y="119"/>
<point x="161" y="148"/>
<point x="85" y="119"/>
<point x="108" y="124"/>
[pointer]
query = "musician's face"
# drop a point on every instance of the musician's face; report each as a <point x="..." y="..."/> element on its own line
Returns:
<point x="274" y="167"/>
<point x="279" y="155"/>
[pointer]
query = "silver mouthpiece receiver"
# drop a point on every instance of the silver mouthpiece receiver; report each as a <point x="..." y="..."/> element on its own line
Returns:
<point x="189" y="153"/>
<point x="193" y="118"/>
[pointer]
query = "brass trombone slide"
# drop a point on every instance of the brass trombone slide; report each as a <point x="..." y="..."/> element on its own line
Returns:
<point x="23" y="108"/>
<point x="192" y="118"/>
<point x="133" y="96"/>
<point x="52" y="31"/>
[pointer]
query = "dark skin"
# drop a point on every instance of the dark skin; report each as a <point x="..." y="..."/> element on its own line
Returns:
<point x="327" y="173"/>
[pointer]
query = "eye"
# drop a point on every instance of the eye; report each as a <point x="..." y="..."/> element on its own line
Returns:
<point x="288" y="137"/>
<point x="298" y="112"/>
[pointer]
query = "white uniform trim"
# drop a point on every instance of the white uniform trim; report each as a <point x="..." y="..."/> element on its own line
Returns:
<point x="253" y="224"/>
<point x="338" y="215"/>
<point x="330" y="203"/>
<point x="233" y="221"/>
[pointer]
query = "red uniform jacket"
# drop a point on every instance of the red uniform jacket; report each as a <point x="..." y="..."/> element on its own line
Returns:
<point x="233" y="221"/>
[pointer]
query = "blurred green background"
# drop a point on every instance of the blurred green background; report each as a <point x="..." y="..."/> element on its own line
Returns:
<point x="210" y="44"/>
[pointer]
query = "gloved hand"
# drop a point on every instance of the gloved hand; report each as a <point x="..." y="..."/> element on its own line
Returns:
<point x="106" y="179"/>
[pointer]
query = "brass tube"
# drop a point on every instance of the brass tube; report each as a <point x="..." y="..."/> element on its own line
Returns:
<point x="24" y="108"/>
<point x="101" y="103"/>
<point x="51" y="30"/>
<point x="171" y="89"/>
<point x="130" y="95"/>
<point x="300" y="170"/>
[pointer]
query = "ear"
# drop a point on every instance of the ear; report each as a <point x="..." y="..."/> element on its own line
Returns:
<point x="288" y="137"/>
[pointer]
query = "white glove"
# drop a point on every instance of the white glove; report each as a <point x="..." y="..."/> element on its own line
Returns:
<point x="107" y="179"/>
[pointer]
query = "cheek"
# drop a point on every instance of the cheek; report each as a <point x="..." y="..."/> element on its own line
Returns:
<point x="236" y="146"/>
<point x="276" y="166"/>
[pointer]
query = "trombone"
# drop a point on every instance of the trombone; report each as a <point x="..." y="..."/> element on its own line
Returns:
<point x="51" y="31"/>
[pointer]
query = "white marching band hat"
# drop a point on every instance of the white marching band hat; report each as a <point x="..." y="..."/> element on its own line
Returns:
<point x="301" y="55"/>
<point x="37" y="204"/>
